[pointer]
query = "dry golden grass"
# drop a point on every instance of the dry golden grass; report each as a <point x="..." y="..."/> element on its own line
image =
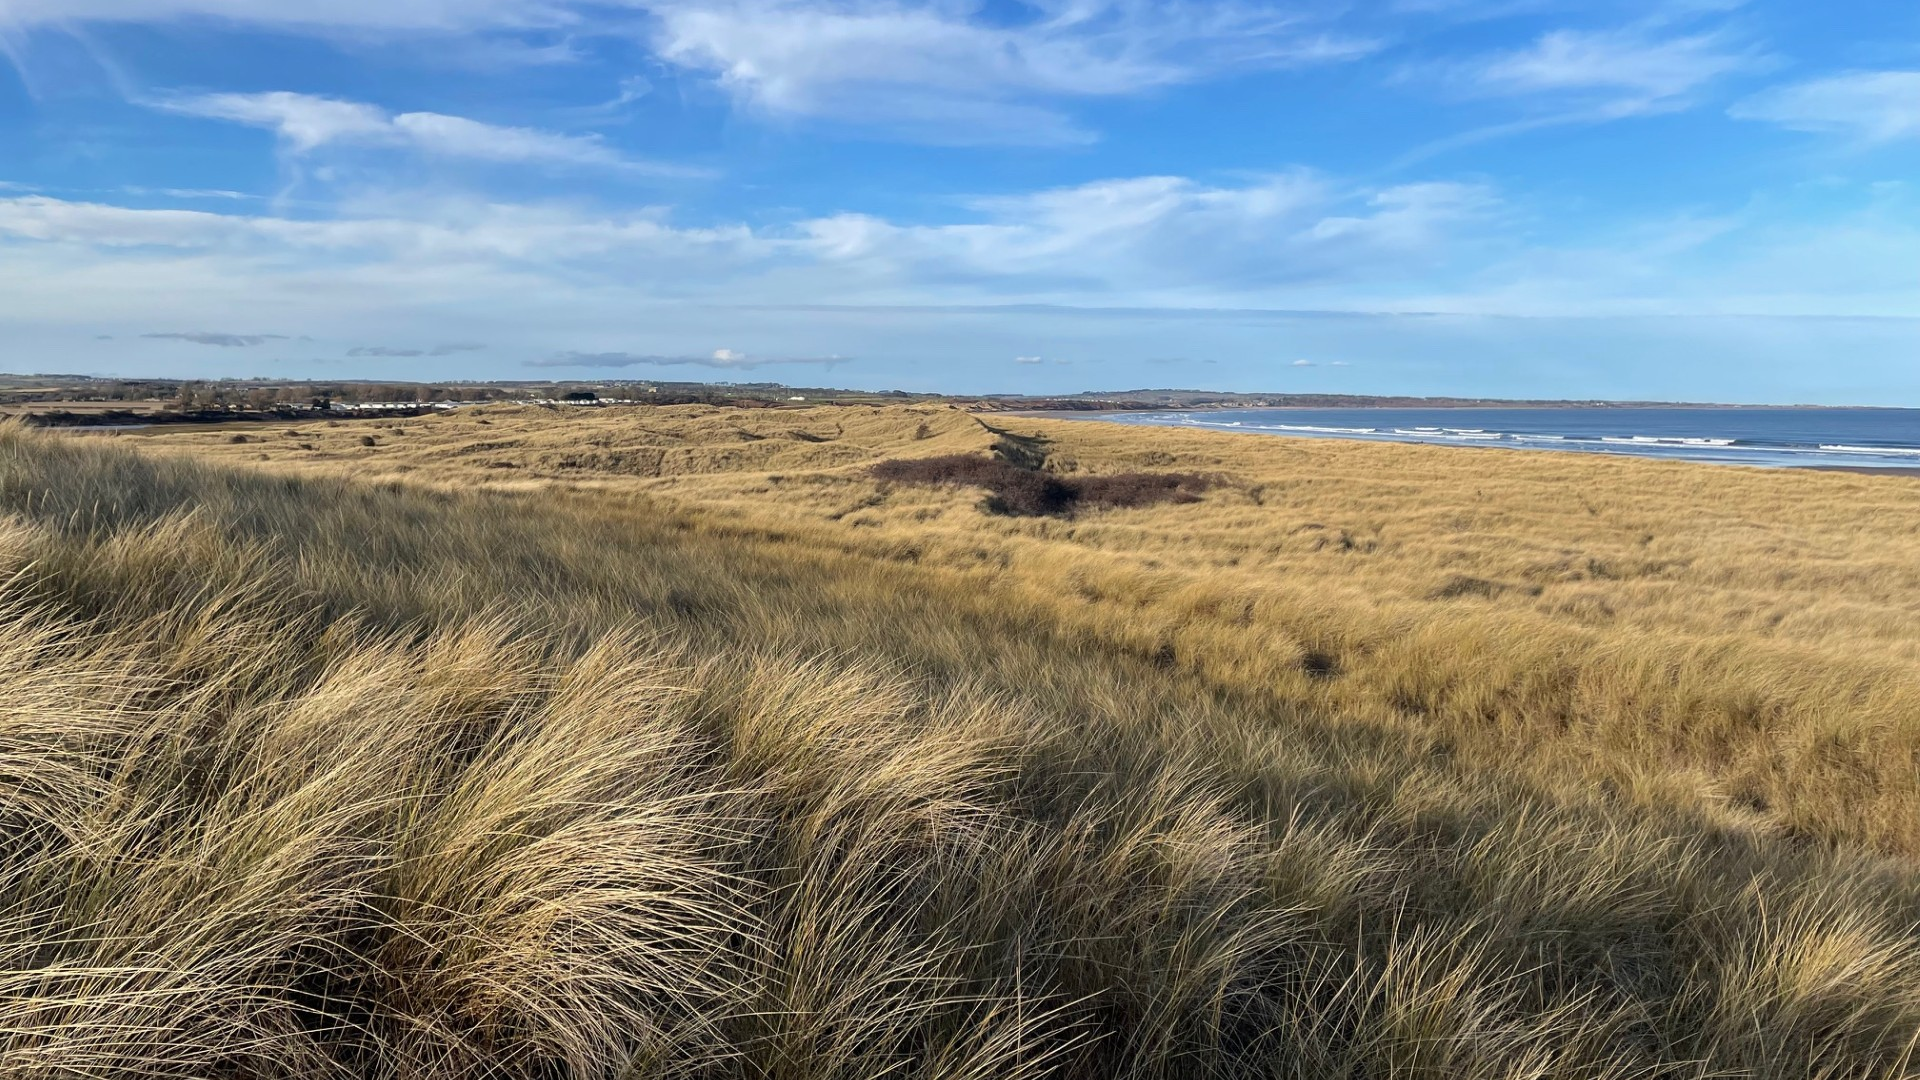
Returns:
<point x="669" y="743"/>
<point x="1750" y="635"/>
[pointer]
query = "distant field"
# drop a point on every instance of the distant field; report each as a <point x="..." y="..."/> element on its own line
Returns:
<point x="39" y="407"/>
<point x="676" y="742"/>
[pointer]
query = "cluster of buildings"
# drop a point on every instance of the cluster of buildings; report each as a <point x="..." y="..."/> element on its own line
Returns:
<point x="579" y="401"/>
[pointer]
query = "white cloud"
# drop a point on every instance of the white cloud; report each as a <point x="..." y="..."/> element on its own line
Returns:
<point x="1146" y="240"/>
<point x="1611" y="74"/>
<point x="632" y="89"/>
<point x="535" y="282"/>
<point x="1135" y="238"/>
<point x="1304" y="363"/>
<point x="941" y="71"/>
<point x="455" y="136"/>
<point x="1029" y="360"/>
<point x="40" y="217"/>
<point x="724" y="359"/>
<point x="433" y="271"/>
<point x="306" y="123"/>
<point x="303" y="122"/>
<point x="1165" y="237"/>
<point x="391" y="353"/>
<point x="1879" y="106"/>
<point x="437" y="233"/>
<point x="224" y="341"/>
<point x="192" y="194"/>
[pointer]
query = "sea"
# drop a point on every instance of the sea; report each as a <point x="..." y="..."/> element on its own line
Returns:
<point x="1778" y="437"/>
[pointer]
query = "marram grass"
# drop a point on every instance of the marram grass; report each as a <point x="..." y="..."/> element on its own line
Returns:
<point x="310" y="774"/>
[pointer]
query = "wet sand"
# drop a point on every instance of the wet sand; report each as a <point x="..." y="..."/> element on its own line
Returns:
<point x="1866" y="470"/>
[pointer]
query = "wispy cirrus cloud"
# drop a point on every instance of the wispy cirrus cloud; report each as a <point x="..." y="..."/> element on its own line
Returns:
<point x="305" y="123"/>
<point x="1664" y="63"/>
<point x="725" y="359"/>
<point x="224" y="341"/>
<point x="191" y="194"/>
<point x="1876" y="106"/>
<point x="944" y="72"/>
<point x="1167" y="235"/>
<point x="1140" y="238"/>
<point x="453" y="234"/>
<point x="1610" y="74"/>
<point x="375" y="352"/>
<point x="1297" y="242"/>
<point x="931" y="70"/>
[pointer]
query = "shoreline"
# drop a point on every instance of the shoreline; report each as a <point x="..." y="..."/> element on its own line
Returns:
<point x="1121" y="418"/>
<point x="1116" y="407"/>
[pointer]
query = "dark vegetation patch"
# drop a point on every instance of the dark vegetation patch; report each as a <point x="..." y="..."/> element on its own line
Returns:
<point x="1320" y="665"/>
<point x="1461" y="585"/>
<point x="68" y="418"/>
<point x="1020" y="490"/>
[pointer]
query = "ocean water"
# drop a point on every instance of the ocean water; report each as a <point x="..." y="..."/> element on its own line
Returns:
<point x="1869" y="438"/>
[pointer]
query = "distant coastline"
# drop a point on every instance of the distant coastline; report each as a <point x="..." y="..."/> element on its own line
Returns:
<point x="82" y="399"/>
<point x="1772" y="436"/>
<point x="1204" y="401"/>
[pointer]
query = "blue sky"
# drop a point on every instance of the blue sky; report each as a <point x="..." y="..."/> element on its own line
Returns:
<point x="1679" y="199"/>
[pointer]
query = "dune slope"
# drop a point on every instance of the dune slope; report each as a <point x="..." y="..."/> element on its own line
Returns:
<point x="421" y="759"/>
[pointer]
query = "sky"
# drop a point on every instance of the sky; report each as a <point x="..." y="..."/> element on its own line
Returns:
<point x="1703" y="200"/>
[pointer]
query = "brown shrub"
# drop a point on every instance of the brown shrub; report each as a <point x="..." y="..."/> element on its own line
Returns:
<point x="1128" y="490"/>
<point x="1024" y="492"/>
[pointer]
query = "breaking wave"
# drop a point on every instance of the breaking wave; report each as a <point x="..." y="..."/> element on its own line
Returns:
<point x="1585" y="433"/>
